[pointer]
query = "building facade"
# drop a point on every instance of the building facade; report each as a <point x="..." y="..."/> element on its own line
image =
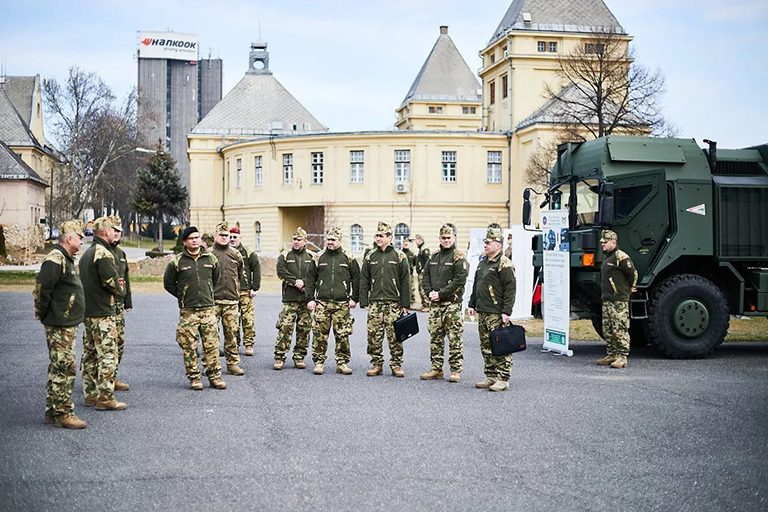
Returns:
<point x="459" y="155"/>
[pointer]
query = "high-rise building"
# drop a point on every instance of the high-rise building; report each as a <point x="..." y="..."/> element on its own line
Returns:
<point x="176" y="90"/>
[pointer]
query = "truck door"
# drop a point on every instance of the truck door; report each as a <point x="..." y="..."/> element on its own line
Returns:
<point x="641" y="215"/>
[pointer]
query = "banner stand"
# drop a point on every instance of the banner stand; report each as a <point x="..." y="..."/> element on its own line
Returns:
<point x="557" y="281"/>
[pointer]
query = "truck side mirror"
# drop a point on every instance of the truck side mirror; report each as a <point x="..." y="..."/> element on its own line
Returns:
<point x="527" y="207"/>
<point x="606" y="212"/>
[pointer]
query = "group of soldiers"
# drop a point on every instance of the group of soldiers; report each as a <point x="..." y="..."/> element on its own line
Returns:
<point x="98" y="293"/>
<point x="217" y="284"/>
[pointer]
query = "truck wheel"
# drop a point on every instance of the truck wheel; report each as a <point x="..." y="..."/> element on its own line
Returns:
<point x="687" y="317"/>
<point x="637" y="336"/>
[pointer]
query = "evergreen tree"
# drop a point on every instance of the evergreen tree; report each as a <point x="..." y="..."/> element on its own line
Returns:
<point x="159" y="191"/>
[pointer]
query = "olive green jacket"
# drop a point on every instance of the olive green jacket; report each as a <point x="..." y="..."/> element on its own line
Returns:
<point x="291" y="267"/>
<point x="252" y="276"/>
<point x="191" y="279"/>
<point x="618" y="276"/>
<point x="422" y="258"/>
<point x="333" y="276"/>
<point x="385" y="276"/>
<point x="446" y="274"/>
<point x="226" y="290"/>
<point x="59" y="296"/>
<point x="494" y="288"/>
<point x="122" y="271"/>
<point x="98" y="272"/>
<point x="409" y="254"/>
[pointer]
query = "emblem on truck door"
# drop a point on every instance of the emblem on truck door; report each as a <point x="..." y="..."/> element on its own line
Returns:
<point x="699" y="209"/>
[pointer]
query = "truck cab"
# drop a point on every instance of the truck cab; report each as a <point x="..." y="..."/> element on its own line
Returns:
<point x="694" y="222"/>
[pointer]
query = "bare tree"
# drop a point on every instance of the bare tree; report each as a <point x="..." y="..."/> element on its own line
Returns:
<point x="92" y="131"/>
<point x="603" y="90"/>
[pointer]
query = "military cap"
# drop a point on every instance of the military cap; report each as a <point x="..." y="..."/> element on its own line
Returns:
<point x="334" y="232"/>
<point x="117" y="223"/>
<point x="494" y="235"/>
<point x="103" y="223"/>
<point x="446" y="229"/>
<point x="207" y="238"/>
<point x="234" y="229"/>
<point x="72" y="226"/>
<point x="419" y="237"/>
<point x="299" y="234"/>
<point x="383" y="229"/>
<point x="607" y="234"/>
<point x="188" y="231"/>
<point x="222" y="228"/>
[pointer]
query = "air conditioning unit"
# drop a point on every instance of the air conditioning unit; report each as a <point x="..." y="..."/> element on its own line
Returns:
<point x="401" y="188"/>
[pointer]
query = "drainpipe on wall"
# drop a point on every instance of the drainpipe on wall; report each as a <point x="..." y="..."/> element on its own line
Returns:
<point x="510" y="131"/>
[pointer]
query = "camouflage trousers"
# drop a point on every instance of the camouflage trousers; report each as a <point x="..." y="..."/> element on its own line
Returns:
<point x="229" y="316"/>
<point x="120" y="323"/>
<point x="99" y="360"/>
<point x="197" y="324"/>
<point x="495" y="367"/>
<point x="327" y="314"/>
<point x="425" y="302"/>
<point x="381" y="321"/>
<point x="293" y="314"/>
<point x="445" y="320"/>
<point x="616" y="327"/>
<point x="247" y="320"/>
<point x="61" y="371"/>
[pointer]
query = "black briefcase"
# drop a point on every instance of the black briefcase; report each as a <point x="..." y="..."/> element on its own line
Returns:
<point x="508" y="340"/>
<point x="406" y="326"/>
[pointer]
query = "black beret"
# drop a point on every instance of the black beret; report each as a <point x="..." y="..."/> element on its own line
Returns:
<point x="188" y="231"/>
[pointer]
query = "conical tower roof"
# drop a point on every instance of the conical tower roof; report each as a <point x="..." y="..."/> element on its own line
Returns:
<point x="445" y="75"/>
<point x="557" y="16"/>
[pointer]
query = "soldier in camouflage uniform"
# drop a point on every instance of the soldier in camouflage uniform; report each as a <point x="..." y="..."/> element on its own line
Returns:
<point x="332" y="288"/>
<point x="123" y="304"/>
<point x="103" y="288"/>
<point x="422" y="257"/>
<point x="226" y="295"/>
<point x="249" y="285"/>
<point x="618" y="279"/>
<point x="60" y="307"/>
<point x="292" y="269"/>
<point x="444" y="278"/>
<point x="493" y="296"/>
<point x="189" y="277"/>
<point x="385" y="285"/>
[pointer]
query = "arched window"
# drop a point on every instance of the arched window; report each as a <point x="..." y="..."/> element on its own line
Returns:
<point x="257" y="246"/>
<point x="402" y="231"/>
<point x="356" y="238"/>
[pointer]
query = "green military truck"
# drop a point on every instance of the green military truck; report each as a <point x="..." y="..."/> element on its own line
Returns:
<point x="694" y="221"/>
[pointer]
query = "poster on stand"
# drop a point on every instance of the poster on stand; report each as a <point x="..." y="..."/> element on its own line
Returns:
<point x="557" y="281"/>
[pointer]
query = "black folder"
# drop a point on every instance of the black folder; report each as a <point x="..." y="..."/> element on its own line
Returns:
<point x="406" y="326"/>
<point x="508" y="340"/>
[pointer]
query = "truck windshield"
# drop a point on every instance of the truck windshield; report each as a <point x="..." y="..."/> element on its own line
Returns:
<point x="587" y="200"/>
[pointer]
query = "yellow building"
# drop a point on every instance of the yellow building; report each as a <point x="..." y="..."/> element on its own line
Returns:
<point x="261" y="159"/>
<point x="25" y="160"/>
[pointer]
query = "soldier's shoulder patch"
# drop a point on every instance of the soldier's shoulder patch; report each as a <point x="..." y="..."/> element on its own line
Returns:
<point x="505" y="262"/>
<point x="458" y="254"/>
<point x="621" y="256"/>
<point x="56" y="257"/>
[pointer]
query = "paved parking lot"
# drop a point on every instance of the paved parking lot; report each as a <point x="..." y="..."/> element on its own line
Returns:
<point x="568" y="435"/>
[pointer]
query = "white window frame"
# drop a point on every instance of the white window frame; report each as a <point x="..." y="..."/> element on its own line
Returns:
<point x="356" y="166"/>
<point x="402" y="166"/>
<point x="494" y="167"/>
<point x="541" y="46"/>
<point x="356" y="242"/>
<point x="317" y="168"/>
<point x="402" y="231"/>
<point x="449" y="167"/>
<point x="258" y="171"/>
<point x="287" y="168"/>
<point x="552" y="46"/>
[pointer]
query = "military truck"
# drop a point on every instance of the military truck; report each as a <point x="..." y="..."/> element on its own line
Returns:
<point x="693" y="220"/>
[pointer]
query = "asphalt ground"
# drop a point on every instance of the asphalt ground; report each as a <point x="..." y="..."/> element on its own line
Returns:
<point x="568" y="435"/>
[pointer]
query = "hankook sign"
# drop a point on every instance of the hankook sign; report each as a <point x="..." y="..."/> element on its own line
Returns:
<point x="167" y="45"/>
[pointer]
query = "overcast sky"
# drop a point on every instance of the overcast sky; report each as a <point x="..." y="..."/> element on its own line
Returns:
<point x="352" y="62"/>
